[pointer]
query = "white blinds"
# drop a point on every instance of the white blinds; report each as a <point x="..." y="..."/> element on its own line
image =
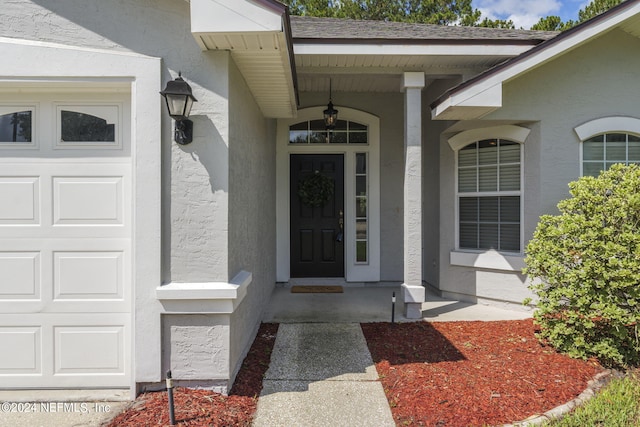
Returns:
<point x="489" y="221"/>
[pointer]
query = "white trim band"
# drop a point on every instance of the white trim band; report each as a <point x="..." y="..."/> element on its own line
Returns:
<point x="491" y="260"/>
<point x="234" y="290"/>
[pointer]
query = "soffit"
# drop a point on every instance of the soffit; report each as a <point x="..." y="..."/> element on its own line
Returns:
<point x="263" y="60"/>
<point x="371" y="56"/>
<point x="258" y="38"/>
<point x="383" y="73"/>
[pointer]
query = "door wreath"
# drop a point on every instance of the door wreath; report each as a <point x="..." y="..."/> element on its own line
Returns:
<point x="315" y="189"/>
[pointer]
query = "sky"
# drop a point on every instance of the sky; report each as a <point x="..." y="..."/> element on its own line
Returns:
<point x="525" y="13"/>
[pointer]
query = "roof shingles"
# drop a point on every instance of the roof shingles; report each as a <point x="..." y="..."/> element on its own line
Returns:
<point x="344" y="30"/>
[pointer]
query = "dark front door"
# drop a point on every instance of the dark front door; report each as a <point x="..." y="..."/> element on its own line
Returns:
<point x="317" y="215"/>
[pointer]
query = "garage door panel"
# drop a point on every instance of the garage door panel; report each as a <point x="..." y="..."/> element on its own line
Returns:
<point x="25" y="354"/>
<point x="20" y="278"/>
<point x="65" y="243"/>
<point x="20" y="200"/>
<point x="88" y="275"/>
<point x="89" y="349"/>
<point x="88" y="200"/>
<point x="65" y="350"/>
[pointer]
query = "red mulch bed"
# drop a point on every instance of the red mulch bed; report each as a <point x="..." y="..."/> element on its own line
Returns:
<point x="449" y="374"/>
<point x="471" y="373"/>
<point x="204" y="407"/>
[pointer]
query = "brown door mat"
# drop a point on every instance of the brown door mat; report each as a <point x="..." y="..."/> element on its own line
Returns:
<point x="318" y="289"/>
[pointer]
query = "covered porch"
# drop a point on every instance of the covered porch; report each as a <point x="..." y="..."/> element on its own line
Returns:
<point x="363" y="304"/>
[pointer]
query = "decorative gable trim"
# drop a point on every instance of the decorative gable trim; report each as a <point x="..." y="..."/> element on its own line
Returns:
<point x="453" y="105"/>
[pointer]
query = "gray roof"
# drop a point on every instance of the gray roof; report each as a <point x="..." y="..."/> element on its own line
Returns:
<point x="342" y="30"/>
<point x="533" y="51"/>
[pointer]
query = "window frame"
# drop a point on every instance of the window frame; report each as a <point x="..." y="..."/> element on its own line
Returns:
<point x="606" y="125"/>
<point x="111" y="111"/>
<point x="9" y="108"/>
<point x="347" y="131"/>
<point x="511" y="133"/>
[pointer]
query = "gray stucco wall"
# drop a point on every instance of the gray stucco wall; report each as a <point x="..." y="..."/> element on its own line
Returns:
<point x="389" y="108"/>
<point x="195" y="177"/>
<point x="596" y="80"/>
<point x="252" y="211"/>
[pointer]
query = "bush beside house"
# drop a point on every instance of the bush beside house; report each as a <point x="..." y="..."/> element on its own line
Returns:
<point x="587" y="264"/>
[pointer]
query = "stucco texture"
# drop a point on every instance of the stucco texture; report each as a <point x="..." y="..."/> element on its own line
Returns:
<point x="198" y="197"/>
<point x="252" y="211"/>
<point x="595" y="80"/>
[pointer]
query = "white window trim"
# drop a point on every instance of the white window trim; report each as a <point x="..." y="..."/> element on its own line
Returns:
<point x="607" y="125"/>
<point x="612" y="124"/>
<point x="511" y="132"/>
<point x="111" y="112"/>
<point x="8" y="108"/>
<point x="489" y="259"/>
<point x="354" y="272"/>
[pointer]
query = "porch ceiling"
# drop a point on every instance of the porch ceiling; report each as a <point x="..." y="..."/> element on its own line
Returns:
<point x="381" y="73"/>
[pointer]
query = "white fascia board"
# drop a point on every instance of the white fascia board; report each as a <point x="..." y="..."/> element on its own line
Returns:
<point x="537" y="59"/>
<point x="232" y="16"/>
<point x="465" y="105"/>
<point x="366" y="48"/>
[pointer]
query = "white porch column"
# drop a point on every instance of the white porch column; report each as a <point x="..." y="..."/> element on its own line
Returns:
<point x="412" y="289"/>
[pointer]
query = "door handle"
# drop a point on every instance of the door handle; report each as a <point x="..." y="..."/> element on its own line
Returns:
<point x="340" y="234"/>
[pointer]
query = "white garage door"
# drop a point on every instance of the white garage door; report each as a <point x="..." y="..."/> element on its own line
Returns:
<point x="65" y="240"/>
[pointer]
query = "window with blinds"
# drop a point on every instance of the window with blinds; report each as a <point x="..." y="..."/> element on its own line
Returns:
<point x="602" y="151"/>
<point x="489" y="190"/>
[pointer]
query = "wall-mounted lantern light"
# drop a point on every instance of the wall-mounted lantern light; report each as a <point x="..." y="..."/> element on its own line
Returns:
<point x="179" y="100"/>
<point x="330" y="114"/>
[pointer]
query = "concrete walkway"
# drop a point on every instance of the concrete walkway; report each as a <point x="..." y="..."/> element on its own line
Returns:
<point x="322" y="374"/>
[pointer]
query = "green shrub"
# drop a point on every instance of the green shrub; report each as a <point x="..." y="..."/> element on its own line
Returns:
<point x="586" y="262"/>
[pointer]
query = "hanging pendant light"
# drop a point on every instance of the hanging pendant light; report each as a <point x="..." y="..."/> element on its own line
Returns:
<point x="330" y="114"/>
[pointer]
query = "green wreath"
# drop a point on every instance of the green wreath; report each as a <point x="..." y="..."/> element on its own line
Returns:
<point x="315" y="189"/>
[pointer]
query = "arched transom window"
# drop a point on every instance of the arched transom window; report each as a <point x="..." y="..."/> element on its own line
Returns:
<point x="315" y="132"/>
